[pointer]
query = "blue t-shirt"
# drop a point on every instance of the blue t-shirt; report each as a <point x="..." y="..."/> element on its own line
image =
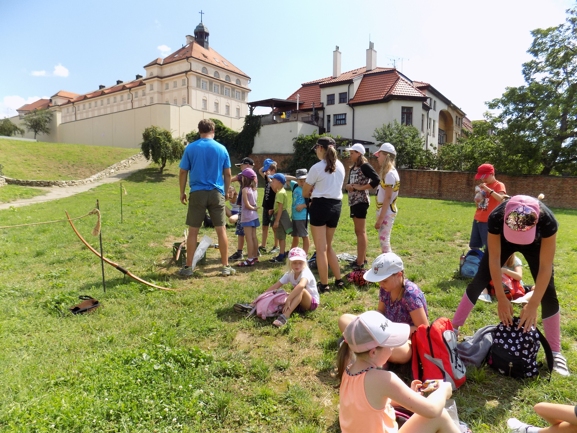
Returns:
<point x="205" y="159"/>
<point x="297" y="200"/>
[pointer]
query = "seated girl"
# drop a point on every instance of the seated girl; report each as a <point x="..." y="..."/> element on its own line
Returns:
<point x="304" y="294"/>
<point x="400" y="300"/>
<point x="367" y="392"/>
<point x="232" y="213"/>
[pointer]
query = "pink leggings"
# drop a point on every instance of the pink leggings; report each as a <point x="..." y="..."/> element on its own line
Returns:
<point x="385" y="233"/>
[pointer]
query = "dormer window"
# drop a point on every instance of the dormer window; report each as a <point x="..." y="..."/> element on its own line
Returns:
<point x="204" y="70"/>
<point x="216" y="74"/>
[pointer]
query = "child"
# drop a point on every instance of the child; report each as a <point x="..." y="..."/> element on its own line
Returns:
<point x="561" y="417"/>
<point x="249" y="216"/>
<point x="304" y="294"/>
<point x="513" y="267"/>
<point x="387" y="194"/>
<point x="245" y="163"/>
<point x="269" y="168"/>
<point x="282" y="222"/>
<point x="299" y="209"/>
<point x="232" y="213"/>
<point x="366" y="391"/>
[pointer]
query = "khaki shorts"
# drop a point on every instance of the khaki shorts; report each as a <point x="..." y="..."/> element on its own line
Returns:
<point x="280" y="233"/>
<point x="201" y="201"/>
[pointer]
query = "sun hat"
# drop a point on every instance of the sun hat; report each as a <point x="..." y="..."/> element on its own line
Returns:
<point x="357" y="147"/>
<point x="521" y="217"/>
<point x="301" y="173"/>
<point x="383" y="267"/>
<point x="484" y="170"/>
<point x="278" y="176"/>
<point x="266" y="164"/>
<point x="325" y="142"/>
<point x="297" y="253"/>
<point x="247" y="161"/>
<point x="371" y="329"/>
<point x="249" y="173"/>
<point x="386" y="147"/>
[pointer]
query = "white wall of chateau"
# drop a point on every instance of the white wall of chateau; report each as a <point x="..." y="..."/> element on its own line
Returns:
<point x="278" y="138"/>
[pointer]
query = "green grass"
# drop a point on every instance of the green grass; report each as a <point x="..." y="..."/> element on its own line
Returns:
<point x="10" y="193"/>
<point x="149" y="360"/>
<point x="56" y="161"/>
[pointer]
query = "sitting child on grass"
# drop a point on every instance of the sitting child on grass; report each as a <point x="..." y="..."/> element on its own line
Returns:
<point x="304" y="295"/>
<point x="561" y="418"/>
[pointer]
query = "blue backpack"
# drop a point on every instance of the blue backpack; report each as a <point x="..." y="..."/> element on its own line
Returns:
<point x="470" y="263"/>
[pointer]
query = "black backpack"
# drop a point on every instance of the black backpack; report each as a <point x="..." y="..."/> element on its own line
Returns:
<point x="514" y="352"/>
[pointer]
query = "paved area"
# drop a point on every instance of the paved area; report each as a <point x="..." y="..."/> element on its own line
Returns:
<point x="57" y="192"/>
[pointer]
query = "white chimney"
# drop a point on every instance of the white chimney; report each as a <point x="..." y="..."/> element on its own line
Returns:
<point x="336" y="62"/>
<point x="189" y="39"/>
<point x="371" y="57"/>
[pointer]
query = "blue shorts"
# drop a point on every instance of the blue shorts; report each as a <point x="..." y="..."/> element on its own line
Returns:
<point x="239" y="230"/>
<point x="254" y="223"/>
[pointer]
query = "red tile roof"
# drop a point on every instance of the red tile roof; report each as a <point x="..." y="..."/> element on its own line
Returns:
<point x="36" y="105"/>
<point x="65" y="94"/>
<point x="308" y="94"/>
<point x="198" y="52"/>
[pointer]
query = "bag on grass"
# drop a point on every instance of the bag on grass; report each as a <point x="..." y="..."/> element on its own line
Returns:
<point x="269" y="304"/>
<point x="475" y="349"/>
<point x="357" y="277"/>
<point x="470" y="263"/>
<point x="514" y="352"/>
<point x="435" y="354"/>
<point x="88" y="303"/>
<point x="512" y="287"/>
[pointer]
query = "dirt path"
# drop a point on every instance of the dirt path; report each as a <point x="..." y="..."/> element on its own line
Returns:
<point x="57" y="192"/>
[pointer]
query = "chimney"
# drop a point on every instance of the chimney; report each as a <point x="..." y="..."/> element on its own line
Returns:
<point x="371" y="57"/>
<point x="336" y="62"/>
<point x="119" y="81"/>
<point x="102" y="86"/>
<point x="138" y="76"/>
<point x="189" y="39"/>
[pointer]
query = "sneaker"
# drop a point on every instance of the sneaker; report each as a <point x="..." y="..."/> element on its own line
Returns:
<point x="516" y="426"/>
<point x="485" y="297"/>
<point x="280" y="321"/>
<point x="236" y="256"/>
<point x="242" y="308"/>
<point x="339" y="284"/>
<point x="323" y="288"/>
<point x="261" y="249"/>
<point x="275" y="250"/>
<point x="560" y="364"/>
<point x="185" y="272"/>
<point x="227" y="271"/>
<point x="278" y="259"/>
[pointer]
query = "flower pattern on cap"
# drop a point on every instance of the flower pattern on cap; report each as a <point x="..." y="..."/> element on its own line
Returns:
<point x="521" y="219"/>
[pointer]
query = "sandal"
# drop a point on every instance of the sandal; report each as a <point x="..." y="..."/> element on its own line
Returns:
<point x="242" y="308"/>
<point x="245" y="264"/>
<point x="339" y="284"/>
<point x="323" y="288"/>
<point x="280" y="321"/>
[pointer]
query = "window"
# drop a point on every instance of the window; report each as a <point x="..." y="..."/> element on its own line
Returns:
<point x="237" y="94"/>
<point x="90" y="105"/>
<point x="328" y="123"/>
<point x="227" y="110"/>
<point x="331" y="99"/>
<point x="340" y="119"/>
<point x="238" y="82"/>
<point x="174" y="84"/>
<point x="204" y="104"/>
<point x="343" y="98"/>
<point x="407" y="116"/>
<point x="216" y="74"/>
<point x="434" y="127"/>
<point x="429" y="126"/>
<point x="227" y="91"/>
<point x="422" y="123"/>
<point x="227" y="78"/>
<point x="183" y="101"/>
<point x="114" y="100"/>
<point x="107" y="100"/>
<point x="121" y="98"/>
<point x="204" y="85"/>
<point x="136" y="94"/>
<point x="435" y="104"/>
<point x="216" y="106"/>
<point x="143" y="92"/>
<point x="197" y="82"/>
<point x="216" y="88"/>
<point x="152" y="100"/>
<point x="183" y="82"/>
<point x="151" y="87"/>
<point x="165" y="86"/>
<point x="237" y="111"/>
<point x="204" y="70"/>
<point x="175" y="101"/>
<point x="101" y="102"/>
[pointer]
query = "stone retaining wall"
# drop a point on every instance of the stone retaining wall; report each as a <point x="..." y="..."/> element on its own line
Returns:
<point x="64" y="183"/>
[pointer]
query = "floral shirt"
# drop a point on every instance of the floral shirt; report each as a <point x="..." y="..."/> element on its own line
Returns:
<point x="399" y="311"/>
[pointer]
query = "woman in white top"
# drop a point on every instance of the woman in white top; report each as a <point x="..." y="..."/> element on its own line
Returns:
<point x="324" y="185"/>
<point x="387" y="195"/>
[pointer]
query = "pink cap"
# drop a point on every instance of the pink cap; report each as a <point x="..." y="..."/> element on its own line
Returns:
<point x="521" y="217"/>
<point x="248" y="173"/>
<point x="371" y="329"/>
<point x="297" y="254"/>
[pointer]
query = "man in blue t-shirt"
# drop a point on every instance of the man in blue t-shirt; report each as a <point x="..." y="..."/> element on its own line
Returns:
<point x="209" y="165"/>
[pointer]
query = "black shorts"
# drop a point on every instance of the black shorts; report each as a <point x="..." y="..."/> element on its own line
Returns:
<point x="359" y="210"/>
<point x="267" y="219"/>
<point x="325" y="212"/>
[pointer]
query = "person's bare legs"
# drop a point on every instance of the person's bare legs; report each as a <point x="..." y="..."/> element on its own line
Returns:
<point x="561" y="417"/>
<point x="441" y="424"/>
<point x="222" y="244"/>
<point x="191" y="240"/>
<point x="264" y="236"/>
<point x="320" y="239"/>
<point x="295" y="242"/>
<point x="306" y="244"/>
<point x="332" y="258"/>
<point x="361" y="233"/>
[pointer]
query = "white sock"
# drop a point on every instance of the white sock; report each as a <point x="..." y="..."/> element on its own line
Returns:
<point x="517" y="426"/>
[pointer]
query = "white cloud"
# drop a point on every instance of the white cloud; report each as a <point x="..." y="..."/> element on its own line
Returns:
<point x="164" y="50"/>
<point x="60" y="71"/>
<point x="9" y="104"/>
<point x="38" y="73"/>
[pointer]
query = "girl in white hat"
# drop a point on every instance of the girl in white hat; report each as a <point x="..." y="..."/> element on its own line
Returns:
<point x="387" y="194"/>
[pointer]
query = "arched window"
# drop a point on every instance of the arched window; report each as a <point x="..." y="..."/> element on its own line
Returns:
<point x="227" y="78"/>
<point x="216" y="74"/>
<point x="204" y="70"/>
<point x="238" y="81"/>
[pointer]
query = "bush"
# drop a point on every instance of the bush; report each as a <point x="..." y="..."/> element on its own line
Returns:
<point x="159" y="145"/>
<point x="223" y="134"/>
<point x="8" y="129"/>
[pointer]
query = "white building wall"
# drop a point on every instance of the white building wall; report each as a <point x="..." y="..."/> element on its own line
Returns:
<point x="278" y="137"/>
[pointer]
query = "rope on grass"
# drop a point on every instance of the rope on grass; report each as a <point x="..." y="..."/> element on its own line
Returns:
<point x="95" y="231"/>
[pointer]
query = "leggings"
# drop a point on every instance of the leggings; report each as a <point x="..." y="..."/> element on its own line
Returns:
<point x="385" y="232"/>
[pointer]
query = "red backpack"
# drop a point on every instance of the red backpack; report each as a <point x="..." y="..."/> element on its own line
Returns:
<point x="435" y="353"/>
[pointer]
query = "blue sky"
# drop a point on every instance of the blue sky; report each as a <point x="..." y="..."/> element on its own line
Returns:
<point x="468" y="50"/>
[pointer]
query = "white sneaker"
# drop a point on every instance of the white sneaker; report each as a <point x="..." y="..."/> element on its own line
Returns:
<point x="485" y="297"/>
<point x="516" y="426"/>
<point x="523" y="299"/>
<point x="560" y="364"/>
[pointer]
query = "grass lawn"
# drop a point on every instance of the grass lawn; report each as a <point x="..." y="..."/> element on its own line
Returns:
<point x="184" y="361"/>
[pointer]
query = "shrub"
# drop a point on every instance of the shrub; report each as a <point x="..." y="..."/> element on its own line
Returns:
<point x="159" y="146"/>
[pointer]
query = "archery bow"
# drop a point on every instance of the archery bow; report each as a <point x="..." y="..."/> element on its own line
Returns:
<point x="115" y="265"/>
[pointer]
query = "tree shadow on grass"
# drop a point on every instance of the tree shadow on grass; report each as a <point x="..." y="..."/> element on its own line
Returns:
<point x="151" y="175"/>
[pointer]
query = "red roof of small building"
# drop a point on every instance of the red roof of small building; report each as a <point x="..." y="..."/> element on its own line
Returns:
<point x="308" y="94"/>
<point x="36" y="105"/>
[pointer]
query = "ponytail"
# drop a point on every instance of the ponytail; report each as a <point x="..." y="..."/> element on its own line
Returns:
<point x="331" y="159"/>
<point x="388" y="165"/>
<point x="343" y="359"/>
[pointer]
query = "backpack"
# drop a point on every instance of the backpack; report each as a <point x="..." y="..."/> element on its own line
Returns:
<point x="435" y="353"/>
<point x="357" y="277"/>
<point x="470" y="263"/>
<point x="514" y="352"/>
<point x="475" y="349"/>
<point x="512" y="287"/>
<point x="269" y="304"/>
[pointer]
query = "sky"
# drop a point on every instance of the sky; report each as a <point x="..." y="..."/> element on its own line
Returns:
<point x="468" y="50"/>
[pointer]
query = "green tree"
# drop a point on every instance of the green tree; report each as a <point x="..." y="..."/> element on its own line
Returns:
<point x="537" y="122"/>
<point x="244" y="141"/>
<point x="38" y="121"/>
<point x="8" y="129"/>
<point x="223" y="134"/>
<point x="408" y="144"/>
<point x="159" y="146"/>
